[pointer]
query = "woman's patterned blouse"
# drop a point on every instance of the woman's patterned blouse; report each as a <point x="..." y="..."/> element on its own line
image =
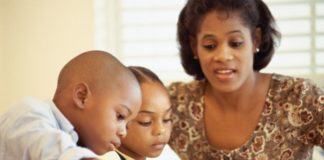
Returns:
<point x="292" y="122"/>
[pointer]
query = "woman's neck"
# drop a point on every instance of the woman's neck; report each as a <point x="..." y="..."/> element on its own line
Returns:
<point x="240" y="99"/>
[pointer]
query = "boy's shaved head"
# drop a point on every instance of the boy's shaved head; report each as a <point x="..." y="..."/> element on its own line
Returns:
<point x="98" y="95"/>
<point x="96" y="68"/>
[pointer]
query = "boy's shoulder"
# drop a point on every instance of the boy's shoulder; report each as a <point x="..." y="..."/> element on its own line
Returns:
<point x="26" y="111"/>
<point x="26" y="107"/>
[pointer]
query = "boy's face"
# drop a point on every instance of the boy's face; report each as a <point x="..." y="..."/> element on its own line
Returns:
<point x="149" y="132"/>
<point x="106" y="116"/>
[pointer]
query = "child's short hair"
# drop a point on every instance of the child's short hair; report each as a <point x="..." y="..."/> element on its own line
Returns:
<point x="144" y="75"/>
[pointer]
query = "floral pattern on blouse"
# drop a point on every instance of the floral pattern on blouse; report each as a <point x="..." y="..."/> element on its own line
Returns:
<point x="291" y="124"/>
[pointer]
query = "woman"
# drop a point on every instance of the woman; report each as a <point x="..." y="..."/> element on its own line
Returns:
<point x="231" y="110"/>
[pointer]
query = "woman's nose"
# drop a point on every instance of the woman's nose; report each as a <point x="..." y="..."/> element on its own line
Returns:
<point x="223" y="54"/>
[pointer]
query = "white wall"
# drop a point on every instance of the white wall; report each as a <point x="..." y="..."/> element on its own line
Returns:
<point x="38" y="38"/>
<point x="2" y="77"/>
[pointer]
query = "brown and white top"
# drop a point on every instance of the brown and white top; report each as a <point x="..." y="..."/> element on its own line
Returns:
<point x="291" y="123"/>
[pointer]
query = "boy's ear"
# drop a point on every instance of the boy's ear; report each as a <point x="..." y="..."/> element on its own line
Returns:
<point x="81" y="93"/>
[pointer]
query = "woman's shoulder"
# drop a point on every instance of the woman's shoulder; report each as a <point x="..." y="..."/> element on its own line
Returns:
<point x="186" y="87"/>
<point x="298" y="92"/>
<point x="185" y="84"/>
<point x="284" y="83"/>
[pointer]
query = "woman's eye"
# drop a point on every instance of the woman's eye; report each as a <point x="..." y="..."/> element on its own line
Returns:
<point x="209" y="46"/>
<point x="236" y="44"/>
<point x="145" y="124"/>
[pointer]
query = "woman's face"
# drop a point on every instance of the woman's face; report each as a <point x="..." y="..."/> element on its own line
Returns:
<point x="149" y="132"/>
<point x="225" y="50"/>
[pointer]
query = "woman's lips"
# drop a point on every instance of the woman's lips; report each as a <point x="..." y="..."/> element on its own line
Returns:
<point x="224" y="74"/>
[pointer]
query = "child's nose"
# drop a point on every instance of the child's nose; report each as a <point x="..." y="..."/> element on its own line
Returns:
<point x="159" y="129"/>
<point x="122" y="132"/>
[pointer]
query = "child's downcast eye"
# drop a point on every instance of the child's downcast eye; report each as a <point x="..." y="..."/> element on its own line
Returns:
<point x="145" y="124"/>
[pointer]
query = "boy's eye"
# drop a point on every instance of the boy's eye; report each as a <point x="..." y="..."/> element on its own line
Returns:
<point x="209" y="46"/>
<point x="120" y="117"/>
<point x="236" y="44"/>
<point x="145" y="124"/>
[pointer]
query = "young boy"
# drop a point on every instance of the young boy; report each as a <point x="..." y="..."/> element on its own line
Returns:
<point x="150" y="131"/>
<point x="95" y="97"/>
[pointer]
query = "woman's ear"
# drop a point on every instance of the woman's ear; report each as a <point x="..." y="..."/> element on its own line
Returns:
<point x="257" y="39"/>
<point x="193" y="46"/>
<point x="81" y="93"/>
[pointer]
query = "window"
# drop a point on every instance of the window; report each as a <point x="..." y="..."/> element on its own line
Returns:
<point x="301" y="51"/>
<point x="146" y="35"/>
<point x="143" y="32"/>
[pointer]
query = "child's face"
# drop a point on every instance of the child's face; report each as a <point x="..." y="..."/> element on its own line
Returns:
<point x="149" y="132"/>
<point x="104" y="124"/>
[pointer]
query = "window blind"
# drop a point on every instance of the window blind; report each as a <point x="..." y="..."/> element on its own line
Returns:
<point x="143" y="32"/>
<point x="300" y="53"/>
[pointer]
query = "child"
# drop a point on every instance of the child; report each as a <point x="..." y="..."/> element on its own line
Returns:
<point x="90" y="108"/>
<point x="149" y="132"/>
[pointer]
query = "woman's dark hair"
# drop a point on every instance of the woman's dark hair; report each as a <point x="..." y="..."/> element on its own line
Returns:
<point x="143" y="75"/>
<point x="254" y="14"/>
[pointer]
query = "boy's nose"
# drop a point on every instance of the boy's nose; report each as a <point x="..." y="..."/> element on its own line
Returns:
<point x="122" y="132"/>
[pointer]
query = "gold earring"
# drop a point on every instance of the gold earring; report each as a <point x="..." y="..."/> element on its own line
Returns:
<point x="257" y="50"/>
